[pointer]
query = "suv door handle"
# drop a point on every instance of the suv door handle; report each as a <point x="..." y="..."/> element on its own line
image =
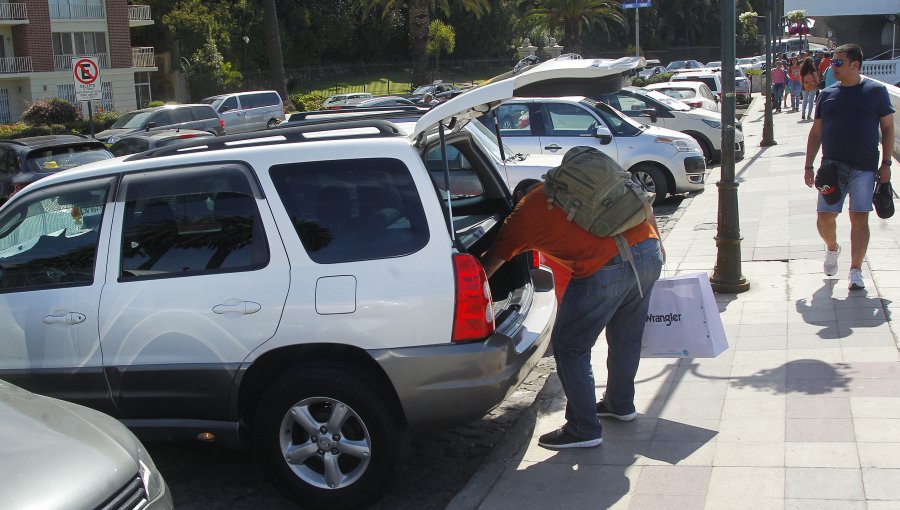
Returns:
<point x="242" y="307"/>
<point x="552" y="147"/>
<point x="70" y="318"/>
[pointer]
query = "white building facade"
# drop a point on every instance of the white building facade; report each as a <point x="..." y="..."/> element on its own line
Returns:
<point x="872" y="24"/>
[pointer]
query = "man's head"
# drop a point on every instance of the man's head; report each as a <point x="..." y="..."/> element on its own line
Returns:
<point x="523" y="188"/>
<point x="846" y="63"/>
<point x="778" y="64"/>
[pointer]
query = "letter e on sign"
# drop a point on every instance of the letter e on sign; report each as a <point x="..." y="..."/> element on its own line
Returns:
<point x="86" y="77"/>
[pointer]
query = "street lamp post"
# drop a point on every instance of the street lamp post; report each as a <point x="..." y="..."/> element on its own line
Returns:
<point x="244" y="55"/>
<point x="768" y="136"/>
<point x="727" y="275"/>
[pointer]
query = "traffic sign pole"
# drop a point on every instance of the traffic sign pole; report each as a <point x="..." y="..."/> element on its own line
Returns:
<point x="91" y="117"/>
<point x="636" y="5"/>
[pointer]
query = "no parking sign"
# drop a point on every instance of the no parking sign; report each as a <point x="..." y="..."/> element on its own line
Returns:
<point x="86" y="76"/>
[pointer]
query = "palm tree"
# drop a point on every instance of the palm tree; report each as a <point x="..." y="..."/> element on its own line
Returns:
<point x="420" y="12"/>
<point x="572" y="17"/>
<point x="273" y="49"/>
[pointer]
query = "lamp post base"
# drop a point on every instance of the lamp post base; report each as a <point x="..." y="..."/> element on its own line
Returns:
<point x="767" y="143"/>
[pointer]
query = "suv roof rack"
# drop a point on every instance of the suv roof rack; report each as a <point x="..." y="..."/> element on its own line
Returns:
<point x="288" y="134"/>
<point x="362" y="112"/>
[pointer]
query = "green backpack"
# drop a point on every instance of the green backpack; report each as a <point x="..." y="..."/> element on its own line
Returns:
<point x="597" y="193"/>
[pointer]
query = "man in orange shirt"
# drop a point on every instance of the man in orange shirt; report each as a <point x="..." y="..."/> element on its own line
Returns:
<point x="824" y="64"/>
<point x="603" y="293"/>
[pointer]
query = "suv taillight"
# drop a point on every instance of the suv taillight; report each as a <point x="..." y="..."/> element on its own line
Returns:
<point x="537" y="259"/>
<point x="222" y="123"/>
<point x="473" y="318"/>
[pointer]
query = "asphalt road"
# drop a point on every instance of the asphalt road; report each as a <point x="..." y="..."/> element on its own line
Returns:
<point x="205" y="476"/>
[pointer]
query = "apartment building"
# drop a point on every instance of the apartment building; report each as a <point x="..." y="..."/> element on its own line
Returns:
<point x="39" y="38"/>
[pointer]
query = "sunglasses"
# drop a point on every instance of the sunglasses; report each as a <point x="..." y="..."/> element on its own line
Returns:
<point x="837" y="62"/>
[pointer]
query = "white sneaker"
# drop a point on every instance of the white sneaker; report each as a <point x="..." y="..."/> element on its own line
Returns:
<point x="856" y="280"/>
<point x="831" y="261"/>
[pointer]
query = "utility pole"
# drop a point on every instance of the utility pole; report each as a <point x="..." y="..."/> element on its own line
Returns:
<point x="768" y="136"/>
<point x="727" y="275"/>
<point x="637" y="34"/>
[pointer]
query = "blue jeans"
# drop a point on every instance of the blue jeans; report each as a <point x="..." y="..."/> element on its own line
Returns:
<point x="778" y="91"/>
<point x="796" y="91"/>
<point x="860" y="185"/>
<point x="607" y="299"/>
<point x="809" y="100"/>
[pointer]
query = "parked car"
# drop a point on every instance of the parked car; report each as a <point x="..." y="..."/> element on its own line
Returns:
<point x="692" y="93"/>
<point x="652" y="71"/>
<point x="146" y="140"/>
<point x="25" y="160"/>
<point x="677" y="65"/>
<point x="750" y="63"/>
<point x="185" y="116"/>
<point x="57" y="455"/>
<point x="711" y="77"/>
<point x="438" y="89"/>
<point x="307" y="287"/>
<point x="657" y="109"/>
<point x="248" y="111"/>
<point x="715" y="64"/>
<point x="337" y="98"/>
<point x="741" y="86"/>
<point x="374" y="102"/>
<point x="662" y="160"/>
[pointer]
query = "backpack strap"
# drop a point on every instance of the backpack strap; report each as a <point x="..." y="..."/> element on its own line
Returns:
<point x="625" y="253"/>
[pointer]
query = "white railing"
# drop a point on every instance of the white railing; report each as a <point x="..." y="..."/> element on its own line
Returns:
<point x="142" y="57"/>
<point x="15" y="65"/>
<point x="64" y="62"/>
<point x="887" y="71"/>
<point x="139" y="13"/>
<point x="13" y="11"/>
<point x="89" y="10"/>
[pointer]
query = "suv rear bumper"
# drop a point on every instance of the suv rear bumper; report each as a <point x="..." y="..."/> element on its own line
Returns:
<point x="450" y="384"/>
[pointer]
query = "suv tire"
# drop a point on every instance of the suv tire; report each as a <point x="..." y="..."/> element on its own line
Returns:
<point x="369" y="442"/>
<point x="652" y="179"/>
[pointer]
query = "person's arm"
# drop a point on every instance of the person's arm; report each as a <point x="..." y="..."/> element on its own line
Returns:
<point x="887" y="146"/>
<point x="813" y="143"/>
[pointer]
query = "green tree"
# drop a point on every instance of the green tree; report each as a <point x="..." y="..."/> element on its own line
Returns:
<point x="273" y="48"/>
<point x="441" y="38"/>
<point x="419" y="13"/>
<point x="571" y="18"/>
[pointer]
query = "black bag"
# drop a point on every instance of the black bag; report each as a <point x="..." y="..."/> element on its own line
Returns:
<point x="884" y="200"/>
<point x="831" y="180"/>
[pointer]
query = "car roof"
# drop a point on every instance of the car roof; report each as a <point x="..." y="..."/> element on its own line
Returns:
<point x="39" y="142"/>
<point x="164" y="133"/>
<point x="170" y="107"/>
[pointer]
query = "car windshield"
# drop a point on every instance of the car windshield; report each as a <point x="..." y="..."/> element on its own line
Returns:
<point x="715" y="63"/>
<point x="488" y="140"/>
<point x="678" y="64"/>
<point x="746" y="61"/>
<point x="54" y="159"/>
<point x="672" y="104"/>
<point x="619" y="123"/>
<point x="132" y="120"/>
<point x="424" y="89"/>
<point x="679" y="93"/>
<point x="214" y="101"/>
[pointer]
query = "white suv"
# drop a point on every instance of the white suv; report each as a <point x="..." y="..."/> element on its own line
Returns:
<point x="314" y="288"/>
<point x="662" y="160"/>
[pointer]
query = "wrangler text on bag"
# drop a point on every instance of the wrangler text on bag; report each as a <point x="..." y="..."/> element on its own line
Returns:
<point x="668" y="318"/>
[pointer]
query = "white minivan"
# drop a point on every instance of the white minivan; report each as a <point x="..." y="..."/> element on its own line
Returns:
<point x="657" y="109"/>
<point x="661" y="160"/>
<point x="248" y="111"/>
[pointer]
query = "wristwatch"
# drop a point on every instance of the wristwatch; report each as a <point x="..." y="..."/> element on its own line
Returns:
<point x="887" y="162"/>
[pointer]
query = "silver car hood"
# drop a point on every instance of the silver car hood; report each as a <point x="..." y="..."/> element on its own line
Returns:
<point x="56" y="455"/>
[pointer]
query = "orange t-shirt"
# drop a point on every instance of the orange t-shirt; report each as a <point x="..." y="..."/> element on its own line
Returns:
<point x="531" y="226"/>
<point x="823" y="65"/>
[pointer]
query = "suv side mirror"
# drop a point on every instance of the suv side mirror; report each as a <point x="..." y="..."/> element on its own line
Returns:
<point x="649" y="112"/>
<point x="151" y="125"/>
<point x="604" y="134"/>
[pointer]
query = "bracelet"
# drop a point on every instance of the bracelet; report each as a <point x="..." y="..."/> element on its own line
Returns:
<point x="809" y="167"/>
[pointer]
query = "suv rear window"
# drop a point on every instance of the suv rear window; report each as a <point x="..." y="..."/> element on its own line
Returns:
<point x="203" y="112"/>
<point x="54" y="159"/>
<point x="355" y="209"/>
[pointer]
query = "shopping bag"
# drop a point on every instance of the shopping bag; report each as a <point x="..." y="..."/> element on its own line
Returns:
<point x="683" y="320"/>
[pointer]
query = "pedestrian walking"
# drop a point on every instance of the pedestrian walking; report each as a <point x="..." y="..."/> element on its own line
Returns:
<point x="810" y="79"/>
<point x="824" y="64"/>
<point x="605" y="292"/>
<point x="779" y="81"/>
<point x="847" y="119"/>
<point x="795" y="85"/>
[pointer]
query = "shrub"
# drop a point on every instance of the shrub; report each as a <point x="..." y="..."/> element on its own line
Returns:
<point x="307" y="102"/>
<point x="754" y="72"/>
<point x="21" y="130"/>
<point x="154" y="104"/>
<point x="54" y="110"/>
<point x="656" y="78"/>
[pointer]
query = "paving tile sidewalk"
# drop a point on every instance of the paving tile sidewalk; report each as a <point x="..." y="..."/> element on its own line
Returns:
<point x="802" y="411"/>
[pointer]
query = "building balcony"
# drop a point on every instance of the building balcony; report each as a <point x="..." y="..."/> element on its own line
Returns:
<point x="13" y="14"/>
<point x="15" y="65"/>
<point x="87" y="10"/>
<point x="64" y="62"/>
<point x="143" y="57"/>
<point x="139" y="16"/>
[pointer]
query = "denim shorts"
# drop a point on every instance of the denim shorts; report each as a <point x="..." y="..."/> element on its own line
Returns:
<point x="861" y="187"/>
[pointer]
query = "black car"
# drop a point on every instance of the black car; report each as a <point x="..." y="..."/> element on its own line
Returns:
<point x="25" y="160"/>
<point x="441" y="91"/>
<point x="184" y="116"/>
<point x="146" y="140"/>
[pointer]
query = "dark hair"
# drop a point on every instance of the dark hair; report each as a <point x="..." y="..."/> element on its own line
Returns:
<point x="522" y="189"/>
<point x="854" y="53"/>
<point x="807" y="67"/>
